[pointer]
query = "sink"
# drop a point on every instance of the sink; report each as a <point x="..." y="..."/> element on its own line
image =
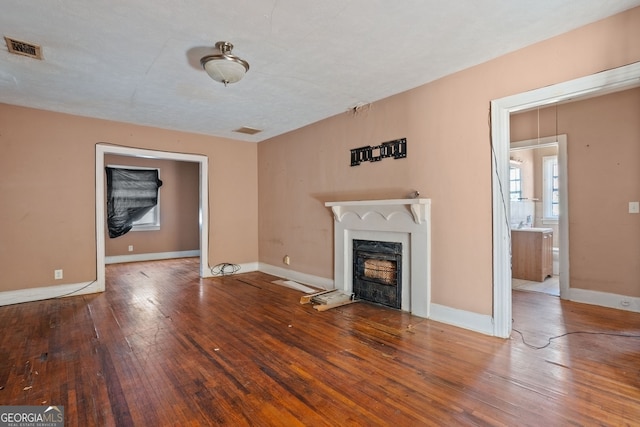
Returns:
<point x="537" y="229"/>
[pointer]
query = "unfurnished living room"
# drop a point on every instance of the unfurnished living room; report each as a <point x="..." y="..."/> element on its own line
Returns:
<point x="320" y="213"/>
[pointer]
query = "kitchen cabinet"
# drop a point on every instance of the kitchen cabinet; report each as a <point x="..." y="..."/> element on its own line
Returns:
<point x="532" y="253"/>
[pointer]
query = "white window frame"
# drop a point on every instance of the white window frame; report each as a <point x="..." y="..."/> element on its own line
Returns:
<point x="548" y="163"/>
<point x="151" y="220"/>
<point x="519" y="180"/>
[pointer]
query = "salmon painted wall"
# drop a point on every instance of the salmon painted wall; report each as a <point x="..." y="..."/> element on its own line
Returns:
<point x="47" y="193"/>
<point x="179" y="210"/>
<point x="447" y="127"/>
<point x="603" y="164"/>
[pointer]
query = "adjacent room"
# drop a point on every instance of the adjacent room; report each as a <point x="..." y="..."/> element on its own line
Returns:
<point x="184" y="189"/>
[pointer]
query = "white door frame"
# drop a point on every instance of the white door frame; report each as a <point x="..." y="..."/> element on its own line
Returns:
<point x="101" y="150"/>
<point x="609" y="81"/>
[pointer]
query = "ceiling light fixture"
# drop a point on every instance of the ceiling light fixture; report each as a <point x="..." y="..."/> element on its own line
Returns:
<point x="224" y="67"/>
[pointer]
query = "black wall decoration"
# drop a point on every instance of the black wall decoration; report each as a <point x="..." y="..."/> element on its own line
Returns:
<point x="396" y="149"/>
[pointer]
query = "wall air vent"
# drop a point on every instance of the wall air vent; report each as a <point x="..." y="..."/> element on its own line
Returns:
<point x="248" y="131"/>
<point x="18" y="47"/>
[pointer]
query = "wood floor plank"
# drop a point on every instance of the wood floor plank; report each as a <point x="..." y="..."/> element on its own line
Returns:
<point x="164" y="347"/>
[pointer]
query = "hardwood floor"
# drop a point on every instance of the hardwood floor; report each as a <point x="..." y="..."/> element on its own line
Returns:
<point x="163" y="347"/>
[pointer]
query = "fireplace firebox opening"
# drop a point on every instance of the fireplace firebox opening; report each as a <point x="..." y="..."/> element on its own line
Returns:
<point x="377" y="272"/>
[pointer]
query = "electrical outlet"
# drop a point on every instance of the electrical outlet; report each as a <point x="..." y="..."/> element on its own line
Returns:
<point x="130" y="248"/>
<point x="57" y="274"/>
<point x="286" y="259"/>
<point x="634" y="207"/>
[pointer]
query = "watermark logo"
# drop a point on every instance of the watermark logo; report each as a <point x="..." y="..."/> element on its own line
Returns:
<point x="31" y="416"/>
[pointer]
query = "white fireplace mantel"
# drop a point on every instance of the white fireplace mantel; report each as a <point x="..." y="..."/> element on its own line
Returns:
<point x="417" y="207"/>
<point x="407" y="221"/>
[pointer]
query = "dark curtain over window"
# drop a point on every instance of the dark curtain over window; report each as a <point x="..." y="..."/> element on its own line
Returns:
<point x="131" y="193"/>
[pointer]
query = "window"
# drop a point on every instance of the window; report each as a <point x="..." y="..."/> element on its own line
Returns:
<point x="132" y="199"/>
<point x="551" y="187"/>
<point x="150" y="220"/>
<point x="515" y="183"/>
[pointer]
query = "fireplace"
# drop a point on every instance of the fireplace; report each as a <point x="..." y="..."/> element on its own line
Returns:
<point x="406" y="222"/>
<point x="377" y="272"/>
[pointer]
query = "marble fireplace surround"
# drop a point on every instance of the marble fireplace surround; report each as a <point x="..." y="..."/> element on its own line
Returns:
<point x="407" y="221"/>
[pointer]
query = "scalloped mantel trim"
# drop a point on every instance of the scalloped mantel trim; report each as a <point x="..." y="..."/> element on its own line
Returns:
<point x="387" y="208"/>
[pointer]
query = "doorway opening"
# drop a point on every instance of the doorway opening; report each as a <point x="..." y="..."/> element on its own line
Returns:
<point x="538" y="211"/>
<point x="597" y="84"/>
<point x="203" y="213"/>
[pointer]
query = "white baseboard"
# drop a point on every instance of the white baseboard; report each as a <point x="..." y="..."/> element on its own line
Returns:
<point x="149" y="257"/>
<point x="48" y="292"/>
<point x="605" y="299"/>
<point x="307" y="279"/>
<point x="463" y="319"/>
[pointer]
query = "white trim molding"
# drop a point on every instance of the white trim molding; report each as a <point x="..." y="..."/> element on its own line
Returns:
<point x="605" y="299"/>
<point x="481" y="323"/>
<point x="307" y="279"/>
<point x="101" y="150"/>
<point x="115" y="259"/>
<point x="48" y="292"/>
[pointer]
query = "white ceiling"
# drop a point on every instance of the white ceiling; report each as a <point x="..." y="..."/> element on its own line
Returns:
<point x="137" y="61"/>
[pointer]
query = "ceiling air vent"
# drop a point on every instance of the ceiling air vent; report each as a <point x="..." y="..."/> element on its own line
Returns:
<point x="248" y="131"/>
<point x="23" y="48"/>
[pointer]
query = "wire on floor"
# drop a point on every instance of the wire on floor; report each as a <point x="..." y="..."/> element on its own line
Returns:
<point x="571" y="333"/>
<point x="224" y="269"/>
<point x="77" y="290"/>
